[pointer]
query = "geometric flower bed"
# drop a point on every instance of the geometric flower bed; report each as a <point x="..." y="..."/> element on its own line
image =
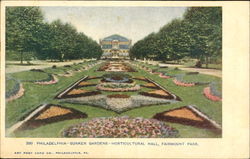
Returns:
<point x="16" y="91"/>
<point x="37" y="75"/>
<point x="158" y="92"/>
<point x="116" y="67"/>
<point x="141" y="78"/>
<point x="150" y="85"/>
<point x="180" y="83"/>
<point x="89" y="91"/>
<point x="53" y="80"/>
<point x="188" y="115"/>
<point x="162" y="75"/>
<point x="49" y="114"/>
<point x="180" y="79"/>
<point x="121" y="127"/>
<point x="12" y="87"/>
<point x="75" y="90"/>
<point x="117" y="102"/>
<point x="18" y="94"/>
<point x="116" y="77"/>
<point x="118" y="87"/>
<point x="208" y="93"/>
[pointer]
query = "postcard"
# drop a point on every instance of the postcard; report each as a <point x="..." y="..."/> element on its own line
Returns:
<point x="124" y="79"/>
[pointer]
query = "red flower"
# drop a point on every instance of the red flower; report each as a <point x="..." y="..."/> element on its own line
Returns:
<point x="207" y="92"/>
<point x="179" y="83"/>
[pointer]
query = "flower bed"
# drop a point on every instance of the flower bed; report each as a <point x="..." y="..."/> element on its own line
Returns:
<point x="12" y="87"/>
<point x="118" y="87"/>
<point x="85" y="84"/>
<point x="116" y="102"/>
<point x="179" y="83"/>
<point x="188" y="115"/>
<point x="116" y="67"/>
<point x="155" y="73"/>
<point x="121" y="127"/>
<point x="53" y="80"/>
<point x="77" y="91"/>
<point x="149" y="85"/>
<point x="208" y="93"/>
<point x="162" y="75"/>
<point x="74" y="90"/>
<point x="16" y="95"/>
<point x="141" y="78"/>
<point x="94" y="77"/>
<point x="118" y="96"/>
<point x="47" y="114"/>
<point x="53" y="111"/>
<point x="118" y="105"/>
<point x="116" y="77"/>
<point x="158" y="94"/>
<point x="34" y="75"/>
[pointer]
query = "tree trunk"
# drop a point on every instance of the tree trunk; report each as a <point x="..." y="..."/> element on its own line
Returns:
<point x="21" y="57"/>
<point x="206" y="61"/>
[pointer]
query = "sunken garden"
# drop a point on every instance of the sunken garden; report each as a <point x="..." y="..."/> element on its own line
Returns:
<point x="122" y="98"/>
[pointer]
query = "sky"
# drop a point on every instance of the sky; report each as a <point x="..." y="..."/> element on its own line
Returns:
<point x="99" y="22"/>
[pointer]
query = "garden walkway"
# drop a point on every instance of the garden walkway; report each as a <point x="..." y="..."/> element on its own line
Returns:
<point x="14" y="66"/>
<point x="213" y="72"/>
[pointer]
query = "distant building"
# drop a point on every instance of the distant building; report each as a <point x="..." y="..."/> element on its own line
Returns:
<point x="115" y="46"/>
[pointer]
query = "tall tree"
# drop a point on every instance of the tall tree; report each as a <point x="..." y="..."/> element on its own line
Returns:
<point x="198" y="35"/>
<point x="205" y="25"/>
<point x="22" y="25"/>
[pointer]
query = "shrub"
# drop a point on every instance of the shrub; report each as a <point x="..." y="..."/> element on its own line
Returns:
<point x="198" y="64"/>
<point x="154" y="70"/>
<point x="54" y="66"/>
<point x="192" y="73"/>
<point x="36" y="70"/>
<point x="163" y="66"/>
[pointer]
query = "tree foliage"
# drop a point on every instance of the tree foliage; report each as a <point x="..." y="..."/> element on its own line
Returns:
<point x="22" y="24"/>
<point x="198" y="35"/>
<point x="27" y="32"/>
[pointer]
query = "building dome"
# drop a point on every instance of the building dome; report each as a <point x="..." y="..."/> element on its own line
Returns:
<point x="115" y="37"/>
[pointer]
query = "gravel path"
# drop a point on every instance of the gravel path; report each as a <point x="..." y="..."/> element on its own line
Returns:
<point x="213" y="72"/>
<point x="44" y="64"/>
<point x="12" y="68"/>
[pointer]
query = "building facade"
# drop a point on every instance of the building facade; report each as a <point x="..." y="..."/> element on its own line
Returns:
<point x="115" y="46"/>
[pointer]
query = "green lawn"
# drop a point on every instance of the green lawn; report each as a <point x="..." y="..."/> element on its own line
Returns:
<point x="30" y="75"/>
<point x="10" y="84"/>
<point x="211" y="66"/>
<point x="39" y="94"/>
<point x="201" y="78"/>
